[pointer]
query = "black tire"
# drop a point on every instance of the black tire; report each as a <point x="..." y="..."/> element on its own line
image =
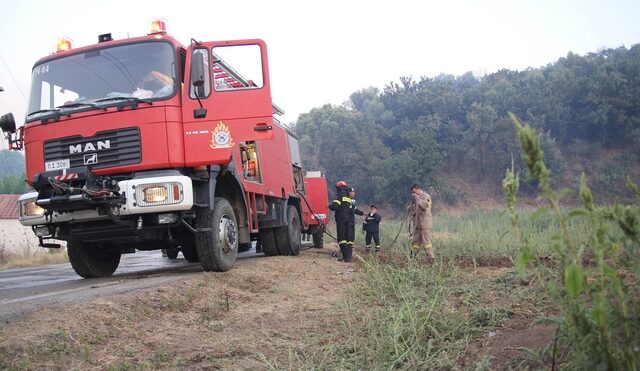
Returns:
<point x="172" y="253"/>
<point x="244" y="247"/>
<point x="92" y="262"/>
<point x="190" y="253"/>
<point x="218" y="249"/>
<point x="268" y="242"/>
<point x="289" y="238"/>
<point x="318" y="241"/>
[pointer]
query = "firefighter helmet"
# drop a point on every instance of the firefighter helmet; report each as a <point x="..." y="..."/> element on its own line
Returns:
<point x="341" y="183"/>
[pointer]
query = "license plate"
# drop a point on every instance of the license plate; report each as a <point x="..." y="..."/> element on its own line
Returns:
<point x="57" y="165"/>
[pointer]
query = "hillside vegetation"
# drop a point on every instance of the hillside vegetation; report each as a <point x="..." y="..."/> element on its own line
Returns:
<point x="12" y="173"/>
<point x="452" y="133"/>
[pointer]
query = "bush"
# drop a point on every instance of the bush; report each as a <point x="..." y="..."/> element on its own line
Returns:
<point x="450" y="196"/>
<point x="596" y="285"/>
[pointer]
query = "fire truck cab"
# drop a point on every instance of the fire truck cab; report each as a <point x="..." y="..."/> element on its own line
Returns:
<point x="147" y="144"/>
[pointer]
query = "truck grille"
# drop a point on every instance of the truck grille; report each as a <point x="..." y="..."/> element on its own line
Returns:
<point x="105" y="149"/>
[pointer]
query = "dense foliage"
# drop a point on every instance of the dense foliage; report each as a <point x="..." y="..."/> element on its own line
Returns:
<point x="12" y="173"/>
<point x="423" y="131"/>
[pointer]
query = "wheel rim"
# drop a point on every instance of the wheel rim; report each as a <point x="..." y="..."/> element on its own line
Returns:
<point x="227" y="234"/>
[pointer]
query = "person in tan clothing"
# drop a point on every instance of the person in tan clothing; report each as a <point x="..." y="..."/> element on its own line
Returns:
<point x="420" y="221"/>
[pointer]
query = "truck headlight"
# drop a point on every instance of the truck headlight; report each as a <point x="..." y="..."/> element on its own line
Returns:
<point x="155" y="194"/>
<point x="159" y="194"/>
<point x="29" y="208"/>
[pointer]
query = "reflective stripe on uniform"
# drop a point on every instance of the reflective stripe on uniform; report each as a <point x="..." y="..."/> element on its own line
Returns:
<point x="341" y="242"/>
<point x="346" y="199"/>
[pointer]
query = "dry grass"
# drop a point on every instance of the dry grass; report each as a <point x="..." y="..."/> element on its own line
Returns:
<point x="13" y="260"/>
<point x="264" y="311"/>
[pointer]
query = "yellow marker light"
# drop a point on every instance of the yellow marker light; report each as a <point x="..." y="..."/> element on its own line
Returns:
<point x="30" y="208"/>
<point x="63" y="44"/>
<point x="158" y="26"/>
<point x="155" y="194"/>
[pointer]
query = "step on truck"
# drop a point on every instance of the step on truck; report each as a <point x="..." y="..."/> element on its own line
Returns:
<point x="148" y="144"/>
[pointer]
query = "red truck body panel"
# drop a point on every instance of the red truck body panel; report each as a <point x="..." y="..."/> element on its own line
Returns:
<point x="317" y="195"/>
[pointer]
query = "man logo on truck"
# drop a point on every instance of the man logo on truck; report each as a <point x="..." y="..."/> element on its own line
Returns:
<point x="101" y="144"/>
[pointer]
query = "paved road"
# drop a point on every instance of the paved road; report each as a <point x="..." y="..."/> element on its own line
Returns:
<point x="27" y="289"/>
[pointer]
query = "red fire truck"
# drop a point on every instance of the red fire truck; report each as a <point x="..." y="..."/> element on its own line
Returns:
<point x="315" y="211"/>
<point x="147" y="144"/>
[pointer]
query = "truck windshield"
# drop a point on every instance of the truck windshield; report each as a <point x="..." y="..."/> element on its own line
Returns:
<point x="83" y="81"/>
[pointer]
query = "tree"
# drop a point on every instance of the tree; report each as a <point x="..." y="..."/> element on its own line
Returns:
<point x="11" y="162"/>
<point x="13" y="184"/>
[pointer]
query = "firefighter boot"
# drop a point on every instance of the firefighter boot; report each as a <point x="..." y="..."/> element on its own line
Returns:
<point x="343" y="252"/>
<point x="346" y="256"/>
<point x="367" y="250"/>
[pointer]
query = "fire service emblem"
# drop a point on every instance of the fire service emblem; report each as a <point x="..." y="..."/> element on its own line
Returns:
<point x="221" y="136"/>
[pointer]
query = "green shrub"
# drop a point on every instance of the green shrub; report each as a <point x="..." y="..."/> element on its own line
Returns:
<point x="595" y="287"/>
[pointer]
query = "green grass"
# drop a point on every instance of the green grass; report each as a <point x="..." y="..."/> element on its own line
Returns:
<point x="483" y="234"/>
<point x="402" y="314"/>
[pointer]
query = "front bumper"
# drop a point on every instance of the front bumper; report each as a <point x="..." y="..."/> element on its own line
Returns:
<point x="177" y="196"/>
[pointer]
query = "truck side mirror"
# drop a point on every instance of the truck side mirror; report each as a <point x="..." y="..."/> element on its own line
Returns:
<point x="7" y="123"/>
<point x="198" y="74"/>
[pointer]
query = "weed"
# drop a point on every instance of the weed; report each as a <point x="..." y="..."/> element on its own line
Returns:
<point x="600" y="328"/>
<point x="163" y="356"/>
<point x="58" y="344"/>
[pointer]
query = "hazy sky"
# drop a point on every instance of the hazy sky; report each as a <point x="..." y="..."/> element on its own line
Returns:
<point x="321" y="52"/>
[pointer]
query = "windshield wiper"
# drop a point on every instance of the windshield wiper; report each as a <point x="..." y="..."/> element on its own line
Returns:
<point x="51" y="110"/>
<point x="126" y="101"/>
<point x="134" y="99"/>
<point x="81" y="104"/>
<point x="52" y="113"/>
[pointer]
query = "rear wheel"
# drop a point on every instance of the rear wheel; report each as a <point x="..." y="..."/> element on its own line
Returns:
<point x="172" y="253"/>
<point x="244" y="247"/>
<point x="92" y="262"/>
<point x="289" y="238"/>
<point x="189" y="252"/>
<point x="318" y="242"/>
<point x="217" y="249"/>
<point x="268" y="242"/>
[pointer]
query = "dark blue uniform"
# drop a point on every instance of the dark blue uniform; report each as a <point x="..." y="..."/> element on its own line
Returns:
<point x="371" y="225"/>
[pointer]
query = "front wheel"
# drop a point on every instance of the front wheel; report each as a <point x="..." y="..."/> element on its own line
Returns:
<point x="217" y="247"/>
<point x="92" y="262"/>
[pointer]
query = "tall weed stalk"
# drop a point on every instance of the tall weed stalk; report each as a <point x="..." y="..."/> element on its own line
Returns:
<point x="597" y="284"/>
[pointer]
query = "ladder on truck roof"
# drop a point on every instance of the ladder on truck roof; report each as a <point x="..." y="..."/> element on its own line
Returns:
<point x="225" y="77"/>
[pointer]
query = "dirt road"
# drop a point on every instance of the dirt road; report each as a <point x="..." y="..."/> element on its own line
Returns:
<point x="156" y="313"/>
<point x="25" y="290"/>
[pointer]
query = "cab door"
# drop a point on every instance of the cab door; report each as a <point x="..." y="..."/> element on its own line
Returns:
<point x="227" y="99"/>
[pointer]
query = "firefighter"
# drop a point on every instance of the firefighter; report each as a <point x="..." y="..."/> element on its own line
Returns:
<point x="420" y="222"/>
<point x="371" y="226"/>
<point x="343" y="208"/>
